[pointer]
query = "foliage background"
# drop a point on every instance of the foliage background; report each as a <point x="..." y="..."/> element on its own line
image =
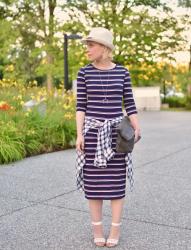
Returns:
<point x="31" y="45"/>
<point x="146" y="36"/>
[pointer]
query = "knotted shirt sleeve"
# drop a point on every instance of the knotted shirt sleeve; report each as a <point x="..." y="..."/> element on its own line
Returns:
<point x="128" y="97"/>
<point x="81" y="91"/>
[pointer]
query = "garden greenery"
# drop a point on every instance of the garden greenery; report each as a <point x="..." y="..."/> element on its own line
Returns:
<point x="47" y="126"/>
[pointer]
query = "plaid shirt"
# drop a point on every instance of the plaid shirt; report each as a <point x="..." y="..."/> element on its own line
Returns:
<point x="104" y="152"/>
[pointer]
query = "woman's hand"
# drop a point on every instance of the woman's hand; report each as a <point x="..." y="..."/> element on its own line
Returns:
<point x="80" y="143"/>
<point x="137" y="134"/>
<point x="134" y="122"/>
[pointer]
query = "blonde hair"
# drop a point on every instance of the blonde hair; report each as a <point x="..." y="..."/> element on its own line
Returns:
<point x="107" y="53"/>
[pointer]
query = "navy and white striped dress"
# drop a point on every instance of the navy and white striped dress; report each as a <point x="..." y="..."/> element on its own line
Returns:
<point x="92" y="86"/>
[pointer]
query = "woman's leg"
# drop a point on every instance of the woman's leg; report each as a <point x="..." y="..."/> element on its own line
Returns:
<point x="96" y="216"/>
<point x="117" y="208"/>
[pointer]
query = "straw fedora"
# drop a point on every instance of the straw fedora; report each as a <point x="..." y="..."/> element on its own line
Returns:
<point x="100" y="35"/>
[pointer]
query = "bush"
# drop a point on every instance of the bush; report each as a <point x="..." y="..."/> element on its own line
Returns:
<point x="188" y="102"/>
<point x="175" y="102"/>
<point x="37" y="130"/>
<point x="11" y="143"/>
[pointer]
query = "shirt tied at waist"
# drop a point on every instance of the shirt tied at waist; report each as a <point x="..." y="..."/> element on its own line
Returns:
<point x="104" y="151"/>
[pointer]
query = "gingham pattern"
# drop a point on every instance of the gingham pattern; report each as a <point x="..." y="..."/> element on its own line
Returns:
<point x="104" y="152"/>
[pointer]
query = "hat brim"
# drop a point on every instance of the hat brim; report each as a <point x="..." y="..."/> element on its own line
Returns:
<point x="85" y="40"/>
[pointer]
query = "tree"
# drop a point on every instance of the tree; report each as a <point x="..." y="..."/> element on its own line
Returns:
<point x="36" y="42"/>
<point x="186" y="4"/>
<point x="139" y="36"/>
<point x="36" y="48"/>
<point x="7" y="37"/>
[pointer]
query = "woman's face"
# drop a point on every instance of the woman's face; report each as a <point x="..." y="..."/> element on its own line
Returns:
<point x="94" y="50"/>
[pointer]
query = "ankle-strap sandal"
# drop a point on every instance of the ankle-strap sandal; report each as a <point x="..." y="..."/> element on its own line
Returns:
<point x="114" y="242"/>
<point x="116" y="224"/>
<point x="99" y="240"/>
<point x="97" y="223"/>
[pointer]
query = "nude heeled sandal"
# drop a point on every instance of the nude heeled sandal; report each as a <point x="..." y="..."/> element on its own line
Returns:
<point x="114" y="242"/>
<point x="99" y="240"/>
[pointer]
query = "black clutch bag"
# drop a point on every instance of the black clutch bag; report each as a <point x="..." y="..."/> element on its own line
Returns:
<point x="125" y="136"/>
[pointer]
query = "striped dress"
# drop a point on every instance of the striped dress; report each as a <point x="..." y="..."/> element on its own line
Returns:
<point x="93" y="85"/>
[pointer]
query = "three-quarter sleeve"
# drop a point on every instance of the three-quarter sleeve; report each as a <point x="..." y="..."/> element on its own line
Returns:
<point x="81" y="91"/>
<point x="128" y="97"/>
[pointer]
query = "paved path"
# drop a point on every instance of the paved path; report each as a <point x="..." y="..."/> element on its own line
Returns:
<point x="41" y="209"/>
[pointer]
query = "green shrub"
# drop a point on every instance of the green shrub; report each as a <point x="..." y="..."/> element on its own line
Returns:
<point x="188" y="102"/>
<point x="11" y="143"/>
<point x="32" y="126"/>
<point x="29" y="132"/>
<point x="175" y="102"/>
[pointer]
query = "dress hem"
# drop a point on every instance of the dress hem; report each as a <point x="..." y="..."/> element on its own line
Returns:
<point x="105" y="198"/>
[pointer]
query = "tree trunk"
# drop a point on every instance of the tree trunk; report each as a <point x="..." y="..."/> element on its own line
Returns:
<point x="50" y="38"/>
<point x="190" y="60"/>
<point x="49" y="82"/>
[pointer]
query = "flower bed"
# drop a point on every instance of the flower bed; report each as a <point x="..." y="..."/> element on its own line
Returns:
<point x="45" y="126"/>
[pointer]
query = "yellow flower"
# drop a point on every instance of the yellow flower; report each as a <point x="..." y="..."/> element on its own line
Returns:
<point x="68" y="116"/>
<point x="65" y="106"/>
<point x="19" y="97"/>
<point x="9" y="68"/>
<point x="146" y="77"/>
<point x="2" y="103"/>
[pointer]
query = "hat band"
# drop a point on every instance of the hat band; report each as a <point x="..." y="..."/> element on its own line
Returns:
<point x="103" y="42"/>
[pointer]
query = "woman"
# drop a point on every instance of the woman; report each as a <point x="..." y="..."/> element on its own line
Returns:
<point x="101" y="87"/>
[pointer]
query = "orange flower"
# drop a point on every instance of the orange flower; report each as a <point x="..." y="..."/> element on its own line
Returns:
<point x="4" y="106"/>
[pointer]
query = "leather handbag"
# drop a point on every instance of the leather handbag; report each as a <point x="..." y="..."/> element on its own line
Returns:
<point x="125" y="136"/>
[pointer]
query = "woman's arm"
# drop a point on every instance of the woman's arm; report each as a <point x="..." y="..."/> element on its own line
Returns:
<point x="81" y="102"/>
<point x="129" y="104"/>
<point x="134" y="121"/>
<point x="80" y="115"/>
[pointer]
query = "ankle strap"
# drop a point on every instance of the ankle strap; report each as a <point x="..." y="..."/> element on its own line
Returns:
<point x="97" y="223"/>
<point x="115" y="224"/>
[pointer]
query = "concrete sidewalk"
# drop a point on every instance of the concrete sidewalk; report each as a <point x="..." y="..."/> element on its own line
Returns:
<point x="41" y="209"/>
